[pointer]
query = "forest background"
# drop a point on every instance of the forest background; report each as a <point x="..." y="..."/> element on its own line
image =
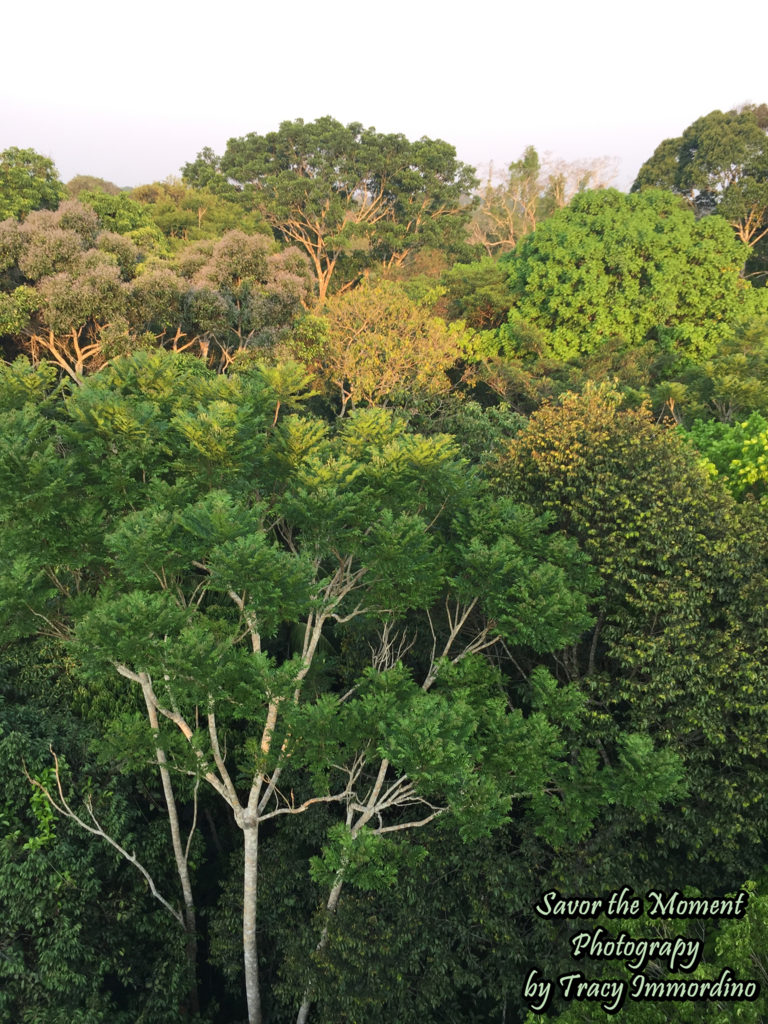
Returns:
<point x="383" y="547"/>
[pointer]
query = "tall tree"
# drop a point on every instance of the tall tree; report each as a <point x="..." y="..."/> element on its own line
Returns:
<point x="720" y="164"/>
<point x="511" y="206"/>
<point x="382" y="348"/>
<point x="204" y="550"/>
<point x="679" y="639"/>
<point x="351" y="196"/>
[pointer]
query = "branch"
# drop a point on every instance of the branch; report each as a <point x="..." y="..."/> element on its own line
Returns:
<point x="194" y="820"/>
<point x="214" y="735"/>
<point x="66" y="811"/>
<point x="409" y="824"/>
<point x="250" y="621"/>
<point x="143" y="679"/>
<point x="456" y="620"/>
<point x="329" y="799"/>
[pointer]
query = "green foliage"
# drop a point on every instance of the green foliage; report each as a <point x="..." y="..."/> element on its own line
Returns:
<point x="206" y="173"/>
<point x="90" y="183"/>
<point x="477" y="293"/>
<point x="679" y="634"/>
<point x="733" y="381"/>
<point x="28" y="181"/>
<point x="118" y="213"/>
<point x="15" y="309"/>
<point x="628" y="266"/>
<point x="192" y="533"/>
<point x="370" y="862"/>
<point x="349" y="196"/>
<point x="720" y="163"/>
<point x="379" y="347"/>
<point x="42" y="810"/>
<point x="78" y="935"/>
<point x="187" y="214"/>
<point x="124" y="216"/>
<point x="738" y="453"/>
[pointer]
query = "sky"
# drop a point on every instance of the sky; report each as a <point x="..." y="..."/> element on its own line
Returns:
<point x="131" y="92"/>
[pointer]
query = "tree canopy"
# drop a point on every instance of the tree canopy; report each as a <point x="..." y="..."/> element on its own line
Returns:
<point x="353" y="596"/>
<point x="612" y="265"/>
<point x="720" y="164"/>
<point x="349" y="195"/>
<point x="679" y="638"/>
<point x="28" y="181"/>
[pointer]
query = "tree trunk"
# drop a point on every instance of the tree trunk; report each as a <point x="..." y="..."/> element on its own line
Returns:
<point x="330" y="908"/>
<point x="250" y="958"/>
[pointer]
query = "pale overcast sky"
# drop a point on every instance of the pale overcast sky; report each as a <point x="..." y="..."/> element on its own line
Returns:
<point x="131" y="92"/>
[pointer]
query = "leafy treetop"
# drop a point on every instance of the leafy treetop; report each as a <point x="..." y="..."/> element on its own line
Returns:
<point x="349" y="195"/>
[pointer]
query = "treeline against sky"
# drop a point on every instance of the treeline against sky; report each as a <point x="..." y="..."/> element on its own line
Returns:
<point x="382" y="549"/>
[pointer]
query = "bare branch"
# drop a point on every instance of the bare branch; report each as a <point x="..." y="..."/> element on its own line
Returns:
<point x="300" y="808"/>
<point x="410" y="824"/>
<point x="233" y="801"/>
<point x="63" y="808"/>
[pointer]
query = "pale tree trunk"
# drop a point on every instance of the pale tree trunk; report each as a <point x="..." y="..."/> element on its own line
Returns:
<point x="250" y="953"/>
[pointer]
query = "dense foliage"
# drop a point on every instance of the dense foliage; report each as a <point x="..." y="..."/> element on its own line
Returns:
<point x="378" y="555"/>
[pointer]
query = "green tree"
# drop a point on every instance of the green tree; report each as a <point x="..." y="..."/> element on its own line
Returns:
<point x="125" y="216"/>
<point x="205" y="172"/>
<point x="78" y="939"/>
<point x="477" y="293"/>
<point x="351" y="196"/>
<point x="186" y="214"/>
<point x="381" y="348"/>
<point x="28" y="181"/>
<point x="679" y="643"/>
<point x="720" y="164"/>
<point x="633" y="267"/>
<point x="90" y="183"/>
<point x="207" y="551"/>
<point x="737" y="452"/>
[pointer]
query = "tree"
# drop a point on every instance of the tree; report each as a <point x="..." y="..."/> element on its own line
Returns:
<point x="74" y="294"/>
<point x="186" y="214"/>
<point x="28" y="181"/>
<point x="206" y="172"/>
<point x="78" y="295"/>
<point x="351" y="196"/>
<point x="381" y="348"/>
<point x="633" y="267"/>
<point x="125" y="216"/>
<point x="78" y="938"/>
<point x="90" y="183"/>
<point x="261" y="288"/>
<point x="207" y="551"/>
<point x="736" y="452"/>
<point x="720" y="164"/>
<point x="510" y="207"/>
<point x="679" y="644"/>
<point x="477" y="293"/>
